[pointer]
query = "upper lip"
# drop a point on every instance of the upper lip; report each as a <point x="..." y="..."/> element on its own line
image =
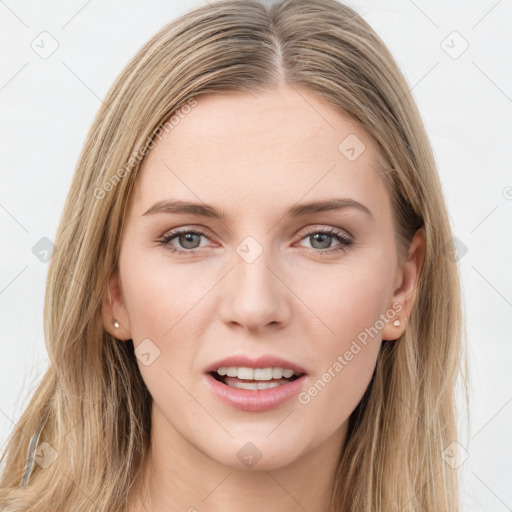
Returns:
<point x="263" y="361"/>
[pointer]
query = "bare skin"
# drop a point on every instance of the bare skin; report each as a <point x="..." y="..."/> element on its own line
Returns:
<point x="253" y="157"/>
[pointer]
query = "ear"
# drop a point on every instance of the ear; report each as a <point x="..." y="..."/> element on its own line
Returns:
<point x="113" y="307"/>
<point x="406" y="286"/>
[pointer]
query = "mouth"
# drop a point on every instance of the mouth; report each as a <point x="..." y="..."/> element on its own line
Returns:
<point x="254" y="384"/>
<point x="262" y="390"/>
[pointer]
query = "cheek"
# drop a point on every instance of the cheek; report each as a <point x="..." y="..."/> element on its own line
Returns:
<point x="334" y="394"/>
<point x="165" y="304"/>
<point x="350" y="305"/>
<point x="161" y="297"/>
<point x="346" y="299"/>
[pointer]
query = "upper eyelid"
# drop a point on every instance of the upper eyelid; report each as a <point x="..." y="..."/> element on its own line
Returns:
<point x="204" y="232"/>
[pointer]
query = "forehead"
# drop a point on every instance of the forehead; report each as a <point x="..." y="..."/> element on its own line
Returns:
<point x="288" y="144"/>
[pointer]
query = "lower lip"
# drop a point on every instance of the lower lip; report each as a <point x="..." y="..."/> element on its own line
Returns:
<point x="257" y="400"/>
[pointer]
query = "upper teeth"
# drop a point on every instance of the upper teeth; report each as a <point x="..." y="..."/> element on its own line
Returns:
<point x="255" y="373"/>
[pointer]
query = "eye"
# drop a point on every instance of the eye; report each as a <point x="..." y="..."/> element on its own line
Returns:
<point x="190" y="240"/>
<point x="322" y="238"/>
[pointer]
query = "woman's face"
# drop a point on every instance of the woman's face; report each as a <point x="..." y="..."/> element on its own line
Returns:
<point x="260" y="281"/>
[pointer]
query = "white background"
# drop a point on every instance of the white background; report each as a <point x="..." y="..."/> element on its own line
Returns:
<point x="466" y="103"/>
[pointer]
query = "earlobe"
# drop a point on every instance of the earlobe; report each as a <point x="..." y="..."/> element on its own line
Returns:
<point x="114" y="315"/>
<point x="395" y="327"/>
<point x="405" y="295"/>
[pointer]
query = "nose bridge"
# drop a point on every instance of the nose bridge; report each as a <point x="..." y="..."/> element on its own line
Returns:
<point x="256" y="294"/>
<point x="251" y="272"/>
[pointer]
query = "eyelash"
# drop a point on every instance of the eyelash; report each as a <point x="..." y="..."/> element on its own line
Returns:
<point x="340" y="237"/>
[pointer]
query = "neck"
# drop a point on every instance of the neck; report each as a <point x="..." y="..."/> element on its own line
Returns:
<point x="177" y="476"/>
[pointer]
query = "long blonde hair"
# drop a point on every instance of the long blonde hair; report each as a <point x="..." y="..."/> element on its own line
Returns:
<point x="98" y="408"/>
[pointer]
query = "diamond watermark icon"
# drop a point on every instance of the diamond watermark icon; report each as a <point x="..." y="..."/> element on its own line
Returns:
<point x="146" y="352"/>
<point x="249" y="249"/>
<point x="454" y="45"/>
<point x="249" y="455"/>
<point x="45" y="45"/>
<point x="455" y="249"/>
<point x="43" y="249"/>
<point x="351" y="147"/>
<point x="453" y="452"/>
<point x="45" y="455"/>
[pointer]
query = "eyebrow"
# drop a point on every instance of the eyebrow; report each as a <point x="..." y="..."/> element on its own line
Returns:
<point x="297" y="210"/>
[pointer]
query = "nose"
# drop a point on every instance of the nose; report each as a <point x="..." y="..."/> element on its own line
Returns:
<point x="255" y="295"/>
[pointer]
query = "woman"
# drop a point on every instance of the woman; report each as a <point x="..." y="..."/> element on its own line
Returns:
<point x="253" y="300"/>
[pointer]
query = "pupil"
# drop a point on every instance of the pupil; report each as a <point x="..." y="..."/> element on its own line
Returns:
<point x="188" y="240"/>
<point x="322" y="235"/>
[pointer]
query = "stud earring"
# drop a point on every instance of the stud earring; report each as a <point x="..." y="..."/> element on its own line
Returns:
<point x="396" y="323"/>
<point x="114" y="320"/>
